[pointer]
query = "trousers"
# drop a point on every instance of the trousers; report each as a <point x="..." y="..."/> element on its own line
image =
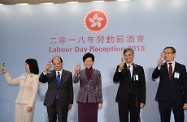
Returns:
<point x="21" y="114"/>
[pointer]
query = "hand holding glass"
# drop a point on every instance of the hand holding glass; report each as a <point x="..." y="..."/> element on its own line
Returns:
<point x="160" y="60"/>
<point x="49" y="65"/>
<point x="122" y="63"/>
<point x="162" y="57"/>
<point x="78" y="68"/>
<point x="3" y="67"/>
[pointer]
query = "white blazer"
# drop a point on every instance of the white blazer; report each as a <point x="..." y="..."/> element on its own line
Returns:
<point x="29" y="86"/>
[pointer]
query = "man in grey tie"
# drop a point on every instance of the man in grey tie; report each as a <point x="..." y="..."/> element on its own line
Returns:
<point x="59" y="95"/>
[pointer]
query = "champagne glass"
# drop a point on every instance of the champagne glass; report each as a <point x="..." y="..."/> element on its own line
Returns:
<point x="2" y="65"/>
<point x="79" y="66"/>
<point x="162" y="55"/>
<point x="50" y="68"/>
<point x="123" y="61"/>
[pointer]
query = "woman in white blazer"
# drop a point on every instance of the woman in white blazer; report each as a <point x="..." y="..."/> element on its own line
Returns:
<point x="29" y="85"/>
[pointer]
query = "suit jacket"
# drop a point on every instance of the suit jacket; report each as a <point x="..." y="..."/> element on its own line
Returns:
<point x="175" y="88"/>
<point x="28" y="88"/>
<point x="90" y="90"/>
<point x="64" y="90"/>
<point x="130" y="86"/>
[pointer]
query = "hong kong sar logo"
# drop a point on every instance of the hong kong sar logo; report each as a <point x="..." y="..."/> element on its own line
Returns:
<point x="96" y="21"/>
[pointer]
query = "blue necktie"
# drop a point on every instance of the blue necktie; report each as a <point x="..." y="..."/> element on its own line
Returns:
<point x="58" y="82"/>
<point x="58" y="78"/>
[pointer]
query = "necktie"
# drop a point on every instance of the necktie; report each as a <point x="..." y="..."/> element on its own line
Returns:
<point x="58" y="82"/>
<point x="129" y="70"/>
<point x="170" y="71"/>
<point x="58" y="78"/>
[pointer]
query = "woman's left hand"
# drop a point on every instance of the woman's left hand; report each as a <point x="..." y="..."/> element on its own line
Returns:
<point x="185" y="106"/>
<point x="29" y="109"/>
<point x="99" y="106"/>
<point x="142" y="105"/>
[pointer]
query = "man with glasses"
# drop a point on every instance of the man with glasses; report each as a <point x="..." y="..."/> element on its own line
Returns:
<point x="172" y="89"/>
<point x="131" y="91"/>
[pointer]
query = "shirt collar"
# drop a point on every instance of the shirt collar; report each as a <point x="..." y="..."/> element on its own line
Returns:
<point x="131" y="65"/>
<point x="173" y="62"/>
<point x="59" y="71"/>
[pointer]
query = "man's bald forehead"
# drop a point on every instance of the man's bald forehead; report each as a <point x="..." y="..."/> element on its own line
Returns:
<point x="57" y="57"/>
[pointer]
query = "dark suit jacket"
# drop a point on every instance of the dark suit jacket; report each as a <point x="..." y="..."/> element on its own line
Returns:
<point x="175" y="88"/>
<point x="128" y="85"/>
<point x="64" y="90"/>
<point x="90" y="90"/>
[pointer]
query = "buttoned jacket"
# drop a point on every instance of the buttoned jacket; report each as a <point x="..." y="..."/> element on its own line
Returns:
<point x="64" y="89"/>
<point x="29" y="86"/>
<point x="128" y="85"/>
<point x="90" y="90"/>
<point x="176" y="88"/>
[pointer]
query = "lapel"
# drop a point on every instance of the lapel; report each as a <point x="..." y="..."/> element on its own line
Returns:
<point x="165" y="68"/>
<point x="28" y="78"/>
<point x="53" y="77"/>
<point x="134" y="72"/>
<point x="127" y="70"/>
<point x="84" y="74"/>
<point x="176" y="69"/>
<point x="63" y="76"/>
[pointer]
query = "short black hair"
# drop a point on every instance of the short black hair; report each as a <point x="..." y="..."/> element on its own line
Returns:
<point x="58" y="57"/>
<point x="172" y="48"/>
<point x="33" y="65"/>
<point x="88" y="55"/>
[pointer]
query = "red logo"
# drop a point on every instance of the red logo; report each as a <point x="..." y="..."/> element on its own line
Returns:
<point x="96" y="20"/>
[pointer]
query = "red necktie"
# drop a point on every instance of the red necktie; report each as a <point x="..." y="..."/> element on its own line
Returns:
<point x="170" y="71"/>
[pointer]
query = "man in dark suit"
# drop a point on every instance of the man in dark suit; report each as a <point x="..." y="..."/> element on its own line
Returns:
<point x="172" y="89"/>
<point x="59" y="95"/>
<point x="131" y="91"/>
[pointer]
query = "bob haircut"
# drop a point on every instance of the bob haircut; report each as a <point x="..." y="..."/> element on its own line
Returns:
<point x="33" y="65"/>
<point x="88" y="55"/>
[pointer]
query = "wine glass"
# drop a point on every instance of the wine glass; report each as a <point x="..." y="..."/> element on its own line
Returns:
<point x="50" y="66"/>
<point x="79" y="67"/>
<point x="2" y="64"/>
<point x="123" y="61"/>
<point x="162" y="55"/>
